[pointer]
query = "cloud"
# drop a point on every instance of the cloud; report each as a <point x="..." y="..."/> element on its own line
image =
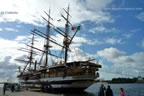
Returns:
<point x="21" y="38"/>
<point x="94" y="42"/>
<point x="9" y="47"/>
<point x="110" y="53"/>
<point x="9" y="51"/>
<point x="142" y="44"/>
<point x="141" y="16"/>
<point x="78" y="55"/>
<point x="128" y="35"/>
<point x="96" y="4"/>
<point x="6" y="64"/>
<point x="122" y="63"/>
<point x="7" y="68"/>
<point x="30" y="11"/>
<point x="1" y="29"/>
<point x="113" y="41"/>
<point x="9" y="75"/>
<point x="102" y="29"/>
<point x="11" y="29"/>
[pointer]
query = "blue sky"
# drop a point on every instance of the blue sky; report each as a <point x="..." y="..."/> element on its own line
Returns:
<point x="111" y="32"/>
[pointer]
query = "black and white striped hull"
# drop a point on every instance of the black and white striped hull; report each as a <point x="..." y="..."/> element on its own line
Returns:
<point x="63" y="84"/>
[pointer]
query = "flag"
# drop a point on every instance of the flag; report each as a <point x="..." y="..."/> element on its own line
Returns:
<point x="76" y="28"/>
<point x="73" y="28"/>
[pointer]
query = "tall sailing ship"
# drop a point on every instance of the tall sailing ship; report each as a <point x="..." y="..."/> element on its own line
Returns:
<point x="59" y="76"/>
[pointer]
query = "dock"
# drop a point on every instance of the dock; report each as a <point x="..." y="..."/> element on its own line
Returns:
<point x="26" y="93"/>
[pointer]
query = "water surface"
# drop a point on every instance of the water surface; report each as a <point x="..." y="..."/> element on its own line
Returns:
<point x="130" y="90"/>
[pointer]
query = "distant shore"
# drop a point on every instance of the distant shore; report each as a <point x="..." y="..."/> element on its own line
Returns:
<point x="120" y="82"/>
<point x="123" y="80"/>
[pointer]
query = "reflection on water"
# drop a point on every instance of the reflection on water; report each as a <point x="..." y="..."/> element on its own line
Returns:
<point x="80" y="94"/>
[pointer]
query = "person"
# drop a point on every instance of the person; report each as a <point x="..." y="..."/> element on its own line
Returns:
<point x="12" y="88"/>
<point x="109" y="91"/>
<point x="122" y="92"/>
<point x="101" y="90"/>
<point x="4" y="88"/>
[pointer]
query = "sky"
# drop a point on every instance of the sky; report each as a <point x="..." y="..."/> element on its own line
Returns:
<point x="111" y="32"/>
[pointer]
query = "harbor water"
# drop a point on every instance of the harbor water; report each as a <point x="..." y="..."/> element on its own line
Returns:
<point x="130" y="90"/>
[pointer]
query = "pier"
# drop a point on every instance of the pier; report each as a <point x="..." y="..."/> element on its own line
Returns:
<point x="26" y="93"/>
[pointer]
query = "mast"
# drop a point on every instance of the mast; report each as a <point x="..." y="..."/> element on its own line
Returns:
<point x="66" y="40"/>
<point x="31" y="52"/>
<point x="30" y="57"/>
<point x="47" y="38"/>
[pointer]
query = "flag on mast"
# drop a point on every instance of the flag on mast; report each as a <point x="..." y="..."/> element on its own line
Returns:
<point x="73" y="28"/>
<point x="76" y="28"/>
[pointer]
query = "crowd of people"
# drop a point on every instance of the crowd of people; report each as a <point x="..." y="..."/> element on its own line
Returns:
<point x="108" y="92"/>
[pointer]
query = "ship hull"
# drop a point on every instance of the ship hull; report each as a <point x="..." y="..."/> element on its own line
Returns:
<point x="60" y="84"/>
<point x="67" y="90"/>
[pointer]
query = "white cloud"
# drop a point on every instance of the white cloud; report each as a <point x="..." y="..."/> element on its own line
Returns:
<point x="127" y="36"/>
<point x="80" y="40"/>
<point x="18" y="26"/>
<point x="9" y="51"/>
<point x="1" y="29"/>
<point x="94" y="42"/>
<point x="11" y="29"/>
<point x="20" y="38"/>
<point x="113" y="41"/>
<point x="96" y="4"/>
<point x="78" y="55"/>
<point x="103" y="29"/>
<point x="31" y="11"/>
<point x="142" y="44"/>
<point x="110" y="53"/>
<point x="7" y="64"/>
<point x="131" y="64"/>
<point x="9" y="47"/>
<point x="141" y="16"/>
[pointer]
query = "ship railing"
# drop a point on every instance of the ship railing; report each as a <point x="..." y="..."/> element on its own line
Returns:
<point x="69" y="73"/>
